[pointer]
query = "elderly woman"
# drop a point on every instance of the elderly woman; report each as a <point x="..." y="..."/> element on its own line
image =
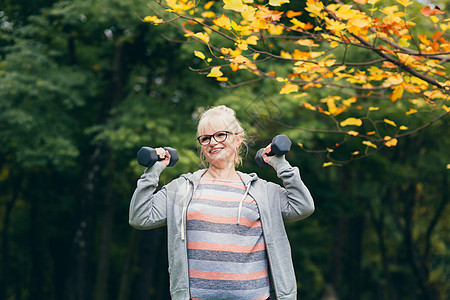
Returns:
<point x="226" y="236"/>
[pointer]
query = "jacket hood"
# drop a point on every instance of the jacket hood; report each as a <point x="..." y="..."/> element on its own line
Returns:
<point x="195" y="177"/>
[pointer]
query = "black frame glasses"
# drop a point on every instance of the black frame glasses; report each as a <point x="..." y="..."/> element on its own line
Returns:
<point x="219" y="136"/>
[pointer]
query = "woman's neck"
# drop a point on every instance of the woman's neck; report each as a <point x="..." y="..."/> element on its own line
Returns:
<point x="222" y="173"/>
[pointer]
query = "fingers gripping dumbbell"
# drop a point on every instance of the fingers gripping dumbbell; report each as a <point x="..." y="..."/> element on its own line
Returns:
<point x="147" y="156"/>
<point x="280" y="145"/>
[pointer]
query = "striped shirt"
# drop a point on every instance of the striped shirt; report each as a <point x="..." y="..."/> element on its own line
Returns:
<point x="226" y="260"/>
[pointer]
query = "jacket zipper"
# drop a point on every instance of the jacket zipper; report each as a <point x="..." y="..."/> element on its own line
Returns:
<point x="267" y="250"/>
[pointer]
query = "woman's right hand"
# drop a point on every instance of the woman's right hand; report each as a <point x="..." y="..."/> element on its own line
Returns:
<point x="164" y="155"/>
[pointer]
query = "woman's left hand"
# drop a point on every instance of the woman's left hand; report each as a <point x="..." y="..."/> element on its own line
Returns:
<point x="264" y="155"/>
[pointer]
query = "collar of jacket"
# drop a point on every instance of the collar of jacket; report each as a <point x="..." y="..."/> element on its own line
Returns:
<point x="194" y="178"/>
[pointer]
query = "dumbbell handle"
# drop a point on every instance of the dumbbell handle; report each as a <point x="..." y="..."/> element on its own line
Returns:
<point x="147" y="156"/>
<point x="280" y="145"/>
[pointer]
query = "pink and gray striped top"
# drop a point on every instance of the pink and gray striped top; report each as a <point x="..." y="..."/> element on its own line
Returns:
<point x="226" y="260"/>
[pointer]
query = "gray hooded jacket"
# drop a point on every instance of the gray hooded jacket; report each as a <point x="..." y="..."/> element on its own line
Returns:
<point x="276" y="204"/>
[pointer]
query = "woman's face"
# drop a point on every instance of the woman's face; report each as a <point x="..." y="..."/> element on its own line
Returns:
<point x="222" y="148"/>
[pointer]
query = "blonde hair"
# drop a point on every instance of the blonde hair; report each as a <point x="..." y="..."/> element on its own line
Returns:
<point x="222" y="117"/>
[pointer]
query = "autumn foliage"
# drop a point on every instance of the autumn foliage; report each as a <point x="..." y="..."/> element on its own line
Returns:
<point x="403" y="64"/>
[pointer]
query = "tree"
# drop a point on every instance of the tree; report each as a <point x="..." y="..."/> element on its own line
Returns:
<point x="79" y="85"/>
<point x="367" y="60"/>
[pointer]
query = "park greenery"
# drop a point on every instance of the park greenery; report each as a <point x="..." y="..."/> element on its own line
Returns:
<point x="360" y="87"/>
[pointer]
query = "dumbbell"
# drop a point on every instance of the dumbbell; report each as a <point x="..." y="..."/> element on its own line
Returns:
<point x="147" y="156"/>
<point x="280" y="145"/>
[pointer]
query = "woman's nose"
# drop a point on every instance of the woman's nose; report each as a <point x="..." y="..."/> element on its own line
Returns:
<point x="213" y="141"/>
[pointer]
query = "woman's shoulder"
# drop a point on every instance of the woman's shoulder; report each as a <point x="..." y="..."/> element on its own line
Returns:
<point x="187" y="177"/>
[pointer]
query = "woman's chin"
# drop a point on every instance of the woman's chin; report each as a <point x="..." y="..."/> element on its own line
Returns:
<point x="219" y="159"/>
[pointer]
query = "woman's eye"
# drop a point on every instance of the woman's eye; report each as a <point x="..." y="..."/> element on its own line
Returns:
<point x="221" y="135"/>
<point x="204" y="139"/>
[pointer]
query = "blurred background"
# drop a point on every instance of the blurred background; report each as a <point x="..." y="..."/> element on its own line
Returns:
<point x="84" y="84"/>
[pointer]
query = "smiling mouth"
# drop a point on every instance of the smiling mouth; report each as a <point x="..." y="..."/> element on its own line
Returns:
<point x="215" y="150"/>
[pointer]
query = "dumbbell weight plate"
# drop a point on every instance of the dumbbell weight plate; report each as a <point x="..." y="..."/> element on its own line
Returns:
<point x="173" y="156"/>
<point x="147" y="157"/>
<point x="281" y="145"/>
<point x="259" y="159"/>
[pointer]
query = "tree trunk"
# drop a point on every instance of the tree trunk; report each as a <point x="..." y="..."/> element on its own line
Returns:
<point x="153" y="266"/>
<point x="337" y="251"/>
<point x="127" y="271"/>
<point x="37" y="266"/>
<point x="354" y="259"/>
<point x="5" y="281"/>
<point x="104" y="257"/>
<point x="104" y="254"/>
<point x="79" y="279"/>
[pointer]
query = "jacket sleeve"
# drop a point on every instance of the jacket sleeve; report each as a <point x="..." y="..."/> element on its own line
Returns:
<point x="295" y="199"/>
<point x="147" y="208"/>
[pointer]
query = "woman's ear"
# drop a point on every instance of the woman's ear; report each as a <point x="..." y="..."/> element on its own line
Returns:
<point x="239" y="140"/>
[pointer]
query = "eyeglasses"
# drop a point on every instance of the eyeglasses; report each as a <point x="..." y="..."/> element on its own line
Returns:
<point x="219" y="136"/>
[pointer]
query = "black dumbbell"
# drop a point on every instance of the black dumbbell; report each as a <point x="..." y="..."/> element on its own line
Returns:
<point x="280" y="145"/>
<point x="147" y="156"/>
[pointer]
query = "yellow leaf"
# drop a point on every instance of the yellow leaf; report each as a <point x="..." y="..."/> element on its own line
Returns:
<point x="289" y="88"/>
<point x="215" y="72"/>
<point x="285" y="54"/>
<point x="277" y="2"/>
<point x="403" y="42"/>
<point x="309" y="106"/>
<point x="300" y="95"/>
<point x="411" y="111"/>
<point x="208" y="14"/>
<point x="428" y="11"/>
<point x="222" y="78"/>
<point x="448" y="166"/>
<point x="199" y="54"/>
<point x="275" y="29"/>
<point x="355" y="153"/>
<point x="370" y="144"/>
<point x="243" y="46"/>
<point x="372" y="1"/>
<point x="446" y="108"/>
<point x="434" y="94"/>
<point x="345" y="12"/>
<point x="255" y="56"/>
<point x="374" y="108"/>
<point x="208" y="5"/>
<point x="202" y="36"/>
<point x="336" y="26"/>
<point x="326" y="164"/>
<point x="307" y="42"/>
<point x="390" y="142"/>
<point x="392" y="123"/>
<point x="153" y="19"/>
<point x="397" y="94"/>
<point x="235" y="5"/>
<point x="252" y="40"/>
<point x="354" y="133"/>
<point x="223" y="21"/>
<point x="351" y="121"/>
<point x="291" y="14"/>
<point x="360" y="1"/>
<point x="243" y="62"/>
<point x="349" y="101"/>
<point x="405" y="3"/>
<point x="403" y="127"/>
<point x="334" y="44"/>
